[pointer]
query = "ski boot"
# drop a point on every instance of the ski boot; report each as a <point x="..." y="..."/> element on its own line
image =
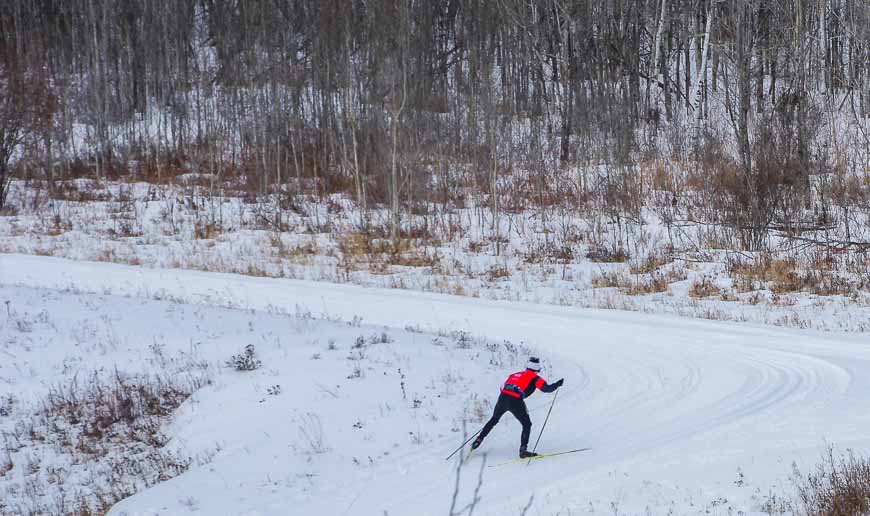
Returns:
<point x="477" y="442"/>
<point x="525" y="454"/>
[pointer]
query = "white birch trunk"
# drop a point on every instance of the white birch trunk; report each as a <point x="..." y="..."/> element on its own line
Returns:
<point x="823" y="43"/>
<point x="394" y="171"/>
<point x="696" y="89"/>
<point x="656" y="69"/>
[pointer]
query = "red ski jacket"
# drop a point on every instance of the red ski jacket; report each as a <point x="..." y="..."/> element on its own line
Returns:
<point x="522" y="384"/>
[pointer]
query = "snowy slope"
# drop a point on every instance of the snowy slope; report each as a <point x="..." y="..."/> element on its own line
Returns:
<point x="681" y="415"/>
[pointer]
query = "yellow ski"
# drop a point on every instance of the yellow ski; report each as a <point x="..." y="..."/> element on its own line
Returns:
<point x="539" y="456"/>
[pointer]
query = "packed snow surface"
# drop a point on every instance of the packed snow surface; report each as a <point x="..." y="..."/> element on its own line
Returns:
<point x="681" y="416"/>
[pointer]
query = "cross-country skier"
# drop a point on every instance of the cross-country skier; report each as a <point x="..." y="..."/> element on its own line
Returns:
<point x="516" y="388"/>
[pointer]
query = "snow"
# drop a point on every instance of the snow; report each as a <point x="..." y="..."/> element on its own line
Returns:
<point x="680" y="415"/>
<point x="543" y="257"/>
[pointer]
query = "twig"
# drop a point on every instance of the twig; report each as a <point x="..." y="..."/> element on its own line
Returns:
<point x="475" y="499"/>
<point x="838" y="245"/>
<point x="327" y="391"/>
<point x="528" y="505"/>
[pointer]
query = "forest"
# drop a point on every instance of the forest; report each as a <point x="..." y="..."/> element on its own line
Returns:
<point x="750" y="115"/>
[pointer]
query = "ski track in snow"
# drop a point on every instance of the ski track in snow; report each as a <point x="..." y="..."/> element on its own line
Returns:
<point x="670" y="407"/>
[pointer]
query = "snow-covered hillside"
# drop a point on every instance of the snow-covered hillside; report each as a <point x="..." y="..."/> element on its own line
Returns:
<point x="565" y="258"/>
<point x="362" y="393"/>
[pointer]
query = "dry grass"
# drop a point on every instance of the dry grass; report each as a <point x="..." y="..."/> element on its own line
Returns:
<point x="354" y="248"/>
<point x="359" y="251"/>
<point x="413" y="257"/>
<point x="652" y="262"/>
<point x="477" y="246"/>
<point x="56" y="225"/>
<point x="497" y="272"/>
<point x="80" y="192"/>
<point x="765" y="269"/>
<point x="840" y="486"/>
<point x="455" y="288"/>
<point x="256" y="271"/>
<point x="206" y="230"/>
<point x="784" y="275"/>
<point x="481" y="408"/>
<point x="657" y="176"/>
<point x="123" y="408"/>
<point x="549" y="252"/>
<point x="607" y="254"/>
<point x="704" y="287"/>
<point x="303" y="252"/>
<point x="651" y="284"/>
<point x="6" y="463"/>
<point x="638" y="284"/>
<point x="728" y="295"/>
<point x="613" y="279"/>
<point x="51" y="250"/>
<point x="107" y="427"/>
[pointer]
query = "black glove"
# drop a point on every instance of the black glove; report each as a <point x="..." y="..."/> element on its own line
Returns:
<point x="559" y="383"/>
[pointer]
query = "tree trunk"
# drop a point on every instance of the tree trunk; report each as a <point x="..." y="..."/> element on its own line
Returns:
<point x="394" y="169"/>
<point x="702" y="71"/>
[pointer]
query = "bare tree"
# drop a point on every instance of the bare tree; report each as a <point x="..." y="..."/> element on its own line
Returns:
<point x="26" y="107"/>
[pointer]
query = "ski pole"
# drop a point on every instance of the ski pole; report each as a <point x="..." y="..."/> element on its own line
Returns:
<point x="463" y="444"/>
<point x="545" y="423"/>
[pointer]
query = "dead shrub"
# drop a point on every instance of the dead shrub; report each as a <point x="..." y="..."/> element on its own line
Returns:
<point x="246" y="360"/>
<point x="647" y="284"/>
<point x="206" y="229"/>
<point x="497" y="272"/>
<point x="756" y="298"/>
<point x="840" y="486"/>
<point x="480" y="409"/>
<point x="421" y="233"/>
<point x="771" y="189"/>
<point x="108" y="425"/>
<point x="836" y="285"/>
<point x="728" y="295"/>
<point x="6" y="463"/>
<point x="256" y="271"/>
<point x="413" y="257"/>
<point x="107" y="254"/>
<point x="123" y="407"/>
<point x="704" y="287"/>
<point x="621" y="192"/>
<point x="7" y="404"/>
<point x="657" y="175"/>
<point x="607" y="254"/>
<point x="477" y="246"/>
<point x="354" y="248"/>
<point x="549" y="252"/>
<point x="80" y="191"/>
<point x="56" y="225"/>
<point x="312" y="435"/>
<point x="358" y="248"/>
<point x="302" y="252"/>
<point x="782" y="275"/>
<point x="613" y="279"/>
<point x="652" y="262"/>
<point x="638" y="284"/>
<point x="763" y="269"/>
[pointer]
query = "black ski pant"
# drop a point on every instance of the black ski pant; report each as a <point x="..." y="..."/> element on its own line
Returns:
<point x="515" y="406"/>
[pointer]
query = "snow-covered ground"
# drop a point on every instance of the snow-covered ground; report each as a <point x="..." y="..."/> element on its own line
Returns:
<point x="535" y="256"/>
<point x="682" y="416"/>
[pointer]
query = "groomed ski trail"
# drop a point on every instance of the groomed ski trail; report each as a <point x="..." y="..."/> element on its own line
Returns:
<point x="670" y="407"/>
